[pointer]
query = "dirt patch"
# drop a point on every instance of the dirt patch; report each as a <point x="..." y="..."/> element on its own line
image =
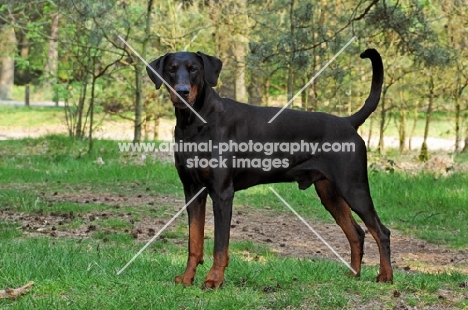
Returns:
<point x="283" y="233"/>
<point x="288" y="236"/>
<point x="114" y="130"/>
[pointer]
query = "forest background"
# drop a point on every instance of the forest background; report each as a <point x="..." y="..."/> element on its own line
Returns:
<point x="69" y="52"/>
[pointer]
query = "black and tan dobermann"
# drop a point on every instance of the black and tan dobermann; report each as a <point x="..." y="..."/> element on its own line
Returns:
<point x="340" y="177"/>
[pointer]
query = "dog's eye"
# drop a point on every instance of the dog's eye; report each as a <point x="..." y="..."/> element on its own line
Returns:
<point x="172" y="69"/>
<point x="193" y="69"/>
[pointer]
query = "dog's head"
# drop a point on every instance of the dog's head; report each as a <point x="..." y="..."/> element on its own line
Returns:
<point x="186" y="73"/>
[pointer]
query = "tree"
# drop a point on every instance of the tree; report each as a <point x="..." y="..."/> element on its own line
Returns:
<point x="51" y="64"/>
<point x="268" y="48"/>
<point x="7" y="73"/>
<point x="139" y="69"/>
<point x="434" y="60"/>
<point x="455" y="35"/>
<point x="90" y="60"/>
<point x="401" y="28"/>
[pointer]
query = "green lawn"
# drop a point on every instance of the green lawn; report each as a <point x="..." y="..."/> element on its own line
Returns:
<point x="81" y="274"/>
<point x="20" y="116"/>
<point x="76" y="272"/>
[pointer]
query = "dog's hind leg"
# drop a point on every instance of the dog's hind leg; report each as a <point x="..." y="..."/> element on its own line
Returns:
<point x="196" y="214"/>
<point x="360" y="201"/>
<point x="341" y="212"/>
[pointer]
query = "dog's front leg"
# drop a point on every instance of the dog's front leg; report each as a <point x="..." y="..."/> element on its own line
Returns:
<point x="196" y="213"/>
<point x="222" y="209"/>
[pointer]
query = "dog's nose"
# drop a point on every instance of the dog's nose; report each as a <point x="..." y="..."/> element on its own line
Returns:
<point x="183" y="90"/>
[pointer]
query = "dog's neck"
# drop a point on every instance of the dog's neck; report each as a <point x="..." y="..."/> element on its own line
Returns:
<point x="205" y="105"/>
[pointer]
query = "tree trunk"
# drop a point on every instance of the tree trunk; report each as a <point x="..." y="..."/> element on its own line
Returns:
<point x="383" y="118"/>
<point x="292" y="28"/>
<point x="255" y="88"/>
<point x="457" y="124"/>
<point x="227" y="87"/>
<point x="7" y="73"/>
<point x="423" y="155"/>
<point x="305" y="97"/>
<point x="402" y="124"/>
<point x="156" y="126"/>
<point x="413" y="128"/>
<point x="51" y="65"/>
<point x="241" y="93"/>
<point x="138" y="76"/>
<point x="224" y="47"/>
<point x="148" y="117"/>
<point x="428" y="117"/>
<point x="91" y="114"/>
<point x="465" y="148"/>
<point x="369" y="135"/>
<point x="24" y="73"/>
<point x="402" y="131"/>
<point x="290" y="85"/>
<point x="79" y="129"/>
<point x="138" y="104"/>
<point x="312" y="103"/>
<point x="266" y="91"/>
<point x="26" y="95"/>
<point x="240" y="47"/>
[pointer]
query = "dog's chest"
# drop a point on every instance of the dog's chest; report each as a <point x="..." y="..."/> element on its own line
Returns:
<point x="193" y="153"/>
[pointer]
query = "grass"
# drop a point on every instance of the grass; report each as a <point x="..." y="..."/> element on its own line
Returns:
<point x="425" y="206"/>
<point x="71" y="274"/>
<point x="57" y="159"/>
<point x="80" y="273"/>
<point x="13" y="116"/>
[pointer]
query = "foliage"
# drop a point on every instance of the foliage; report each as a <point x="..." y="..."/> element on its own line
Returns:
<point x="271" y="49"/>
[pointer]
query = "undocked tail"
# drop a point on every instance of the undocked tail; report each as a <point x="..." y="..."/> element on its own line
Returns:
<point x="372" y="101"/>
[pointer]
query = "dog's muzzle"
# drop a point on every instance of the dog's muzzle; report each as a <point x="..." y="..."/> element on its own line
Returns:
<point x="183" y="91"/>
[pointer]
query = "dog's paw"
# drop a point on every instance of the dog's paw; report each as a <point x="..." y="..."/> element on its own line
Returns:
<point x="212" y="284"/>
<point x="384" y="278"/>
<point x="185" y="281"/>
<point x="353" y="274"/>
<point x="215" y="278"/>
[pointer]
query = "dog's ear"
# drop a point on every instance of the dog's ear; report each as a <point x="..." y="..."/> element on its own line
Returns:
<point x="212" y="67"/>
<point x="158" y="66"/>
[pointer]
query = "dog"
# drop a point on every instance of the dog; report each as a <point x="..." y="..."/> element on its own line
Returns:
<point x="202" y="116"/>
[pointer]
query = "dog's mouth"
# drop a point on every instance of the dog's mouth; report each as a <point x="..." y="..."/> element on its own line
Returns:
<point x="182" y="102"/>
<point x="179" y="104"/>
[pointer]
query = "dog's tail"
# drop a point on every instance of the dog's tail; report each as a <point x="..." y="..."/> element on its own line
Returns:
<point x="372" y="101"/>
